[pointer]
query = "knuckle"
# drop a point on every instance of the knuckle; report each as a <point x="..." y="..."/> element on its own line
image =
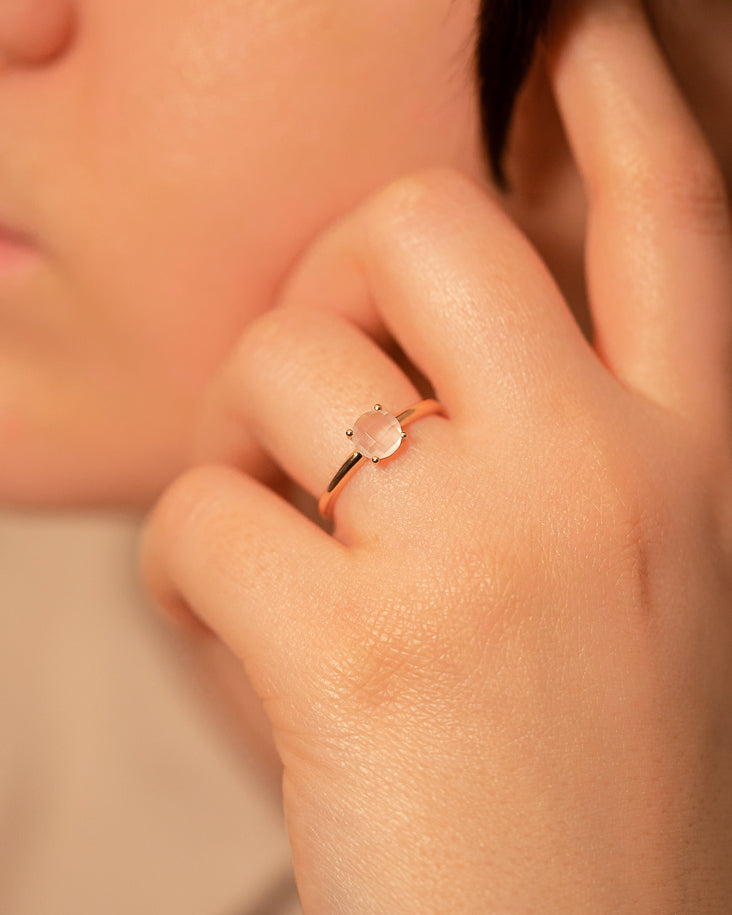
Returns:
<point x="191" y="515"/>
<point x="634" y="543"/>
<point x="278" y="346"/>
<point x="417" y="195"/>
<point x="175" y="529"/>
<point x="663" y="515"/>
<point x="169" y="513"/>
<point x="630" y="560"/>
<point x="292" y="330"/>
<point x="683" y="174"/>
<point x="260" y="336"/>
<point x="610" y="521"/>
<point x="696" y="185"/>
<point x="182" y="500"/>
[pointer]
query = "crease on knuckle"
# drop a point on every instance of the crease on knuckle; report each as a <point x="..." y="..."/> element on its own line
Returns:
<point x="632" y="531"/>
<point x="683" y="176"/>
<point x="611" y="522"/>
<point x="632" y="559"/>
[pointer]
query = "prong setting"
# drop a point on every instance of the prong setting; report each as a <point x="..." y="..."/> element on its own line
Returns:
<point x="376" y="434"/>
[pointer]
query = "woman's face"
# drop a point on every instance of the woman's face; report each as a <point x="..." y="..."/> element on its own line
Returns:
<point x="170" y="159"/>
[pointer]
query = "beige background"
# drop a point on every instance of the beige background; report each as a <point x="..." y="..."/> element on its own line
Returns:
<point x="122" y="790"/>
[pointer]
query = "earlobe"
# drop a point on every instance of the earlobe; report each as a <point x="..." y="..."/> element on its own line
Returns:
<point x="35" y="32"/>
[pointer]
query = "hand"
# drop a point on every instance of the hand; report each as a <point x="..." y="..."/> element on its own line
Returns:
<point x="504" y="682"/>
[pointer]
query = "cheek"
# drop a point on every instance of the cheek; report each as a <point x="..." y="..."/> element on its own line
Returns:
<point x="202" y="146"/>
<point x="198" y="196"/>
<point x="213" y="152"/>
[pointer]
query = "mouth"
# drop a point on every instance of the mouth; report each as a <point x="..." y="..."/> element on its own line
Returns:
<point x="16" y="247"/>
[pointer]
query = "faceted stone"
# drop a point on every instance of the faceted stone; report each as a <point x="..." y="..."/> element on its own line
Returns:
<point x="376" y="434"/>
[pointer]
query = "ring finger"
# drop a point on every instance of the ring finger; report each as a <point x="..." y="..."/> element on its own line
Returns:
<point x="297" y="380"/>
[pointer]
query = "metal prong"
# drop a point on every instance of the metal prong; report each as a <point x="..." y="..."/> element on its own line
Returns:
<point x="349" y="432"/>
<point x="404" y="434"/>
<point x="375" y="460"/>
<point x="377" y="406"/>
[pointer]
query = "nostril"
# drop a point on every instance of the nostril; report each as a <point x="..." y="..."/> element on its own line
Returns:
<point x="34" y="31"/>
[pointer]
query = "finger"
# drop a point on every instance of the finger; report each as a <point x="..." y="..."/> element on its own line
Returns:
<point x="297" y="380"/>
<point x="248" y="564"/>
<point x="659" y="251"/>
<point x="461" y="289"/>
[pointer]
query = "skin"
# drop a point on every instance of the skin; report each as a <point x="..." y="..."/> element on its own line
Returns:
<point x="569" y="689"/>
<point x="157" y="204"/>
<point x="170" y="216"/>
<point x="503" y="681"/>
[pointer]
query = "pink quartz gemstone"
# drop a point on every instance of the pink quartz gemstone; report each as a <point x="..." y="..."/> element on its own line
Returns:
<point x="376" y="434"/>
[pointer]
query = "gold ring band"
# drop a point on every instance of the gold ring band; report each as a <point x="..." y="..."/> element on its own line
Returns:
<point x="389" y="428"/>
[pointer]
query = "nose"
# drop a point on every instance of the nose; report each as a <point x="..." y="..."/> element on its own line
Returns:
<point x="34" y="31"/>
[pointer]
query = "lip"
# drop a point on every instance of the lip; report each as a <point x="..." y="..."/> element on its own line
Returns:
<point x="16" y="247"/>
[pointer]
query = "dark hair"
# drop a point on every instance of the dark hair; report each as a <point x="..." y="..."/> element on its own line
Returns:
<point x="508" y="31"/>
